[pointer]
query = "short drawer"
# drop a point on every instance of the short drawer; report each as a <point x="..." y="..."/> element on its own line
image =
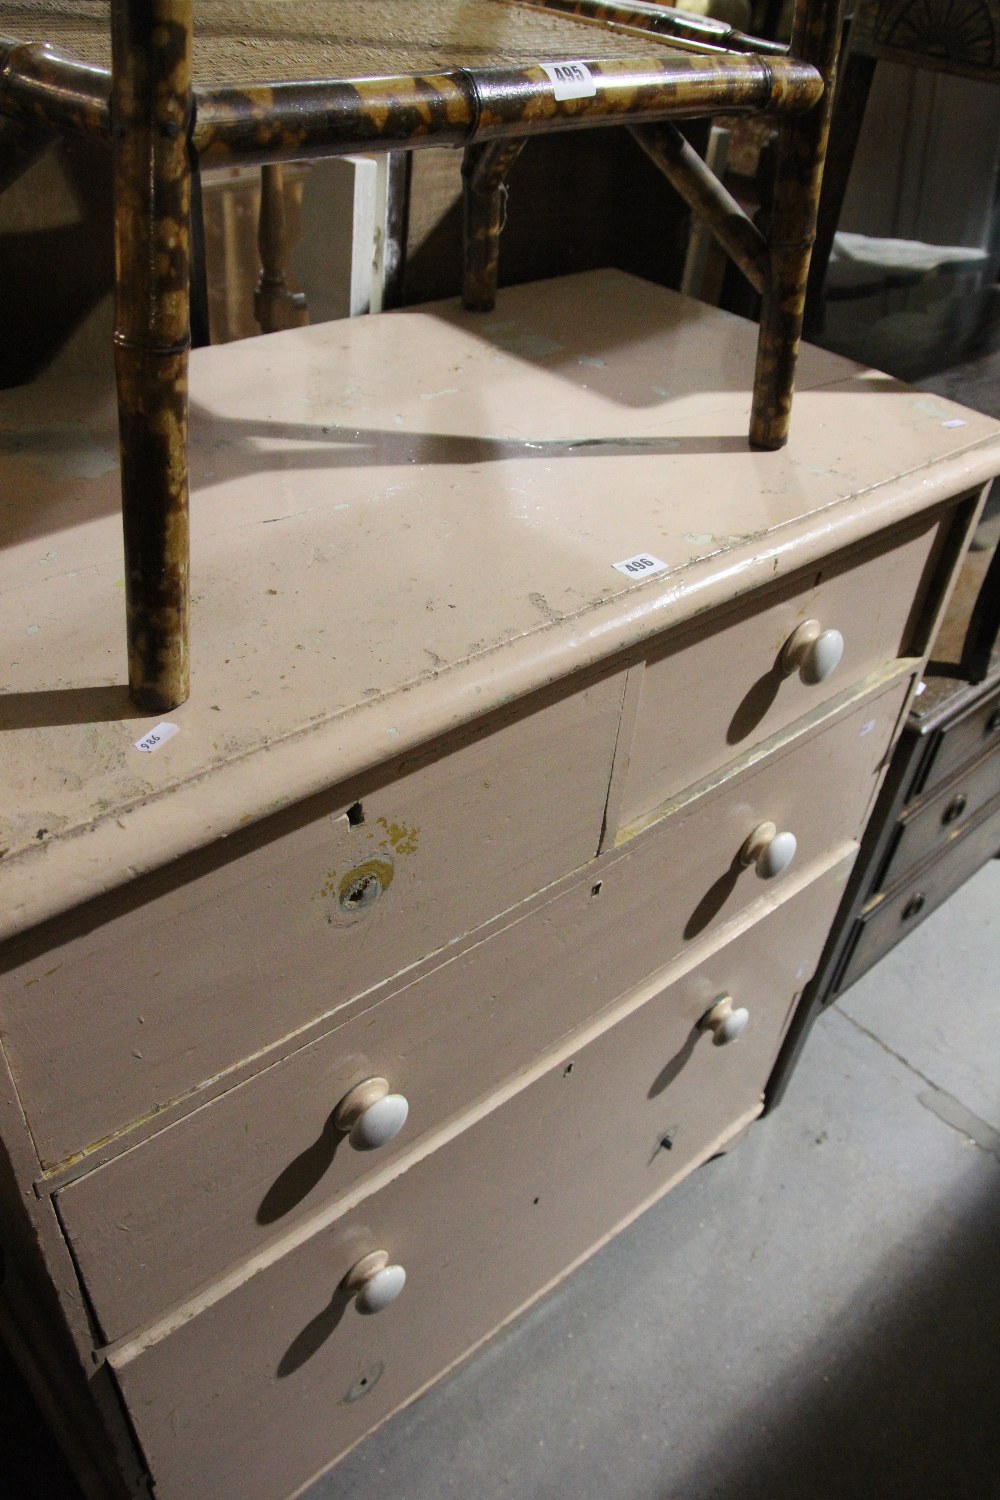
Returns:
<point x="892" y="916"/>
<point x="269" y="1383"/>
<point x="973" y="732"/>
<point x="936" y="821"/>
<point x="125" y="1005"/>
<point x="707" y="697"/>
<point x="175" y="1210"/>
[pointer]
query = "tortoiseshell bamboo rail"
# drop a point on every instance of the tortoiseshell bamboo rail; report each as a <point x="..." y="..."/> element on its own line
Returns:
<point x="161" y="129"/>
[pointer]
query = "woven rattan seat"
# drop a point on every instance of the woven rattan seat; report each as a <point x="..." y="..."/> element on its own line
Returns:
<point x="258" y="41"/>
<point x="173" y="85"/>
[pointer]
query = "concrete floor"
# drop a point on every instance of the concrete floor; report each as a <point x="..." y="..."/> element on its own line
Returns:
<point x="813" y="1317"/>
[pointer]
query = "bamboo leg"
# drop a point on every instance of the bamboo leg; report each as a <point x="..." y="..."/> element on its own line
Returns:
<point x="705" y="196"/>
<point x="816" y="33"/>
<point x="275" y="305"/>
<point x="484" y="170"/>
<point x="151" y="116"/>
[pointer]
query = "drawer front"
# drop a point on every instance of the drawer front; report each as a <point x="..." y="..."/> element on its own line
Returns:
<point x="121" y="1008"/>
<point x="711" y="696"/>
<point x="971" y="734"/>
<point x="937" y="822"/>
<point x="267" y="1385"/>
<point x="891" y="918"/>
<point x="171" y="1213"/>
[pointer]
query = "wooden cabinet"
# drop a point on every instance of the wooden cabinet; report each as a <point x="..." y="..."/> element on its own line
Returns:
<point x="465" y="813"/>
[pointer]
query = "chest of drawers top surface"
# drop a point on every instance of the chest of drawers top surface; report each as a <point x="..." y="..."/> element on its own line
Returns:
<point x="437" y="535"/>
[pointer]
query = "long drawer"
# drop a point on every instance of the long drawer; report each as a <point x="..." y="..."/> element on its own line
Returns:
<point x="151" y="1224"/>
<point x="899" y="911"/>
<point x="710" y="693"/>
<point x="133" y="1001"/>
<point x="967" y="736"/>
<point x="936" y="821"/>
<point x="267" y="1383"/>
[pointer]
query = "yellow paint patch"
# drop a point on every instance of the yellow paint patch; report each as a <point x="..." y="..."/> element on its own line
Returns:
<point x="403" y="838"/>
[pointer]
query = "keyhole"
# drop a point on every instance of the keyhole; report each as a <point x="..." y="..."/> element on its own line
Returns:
<point x="361" y="892"/>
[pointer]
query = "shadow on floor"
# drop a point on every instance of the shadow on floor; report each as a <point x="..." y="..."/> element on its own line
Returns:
<point x="902" y="1406"/>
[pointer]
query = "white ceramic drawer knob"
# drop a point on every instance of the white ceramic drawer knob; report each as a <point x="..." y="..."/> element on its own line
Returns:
<point x="370" y="1116"/>
<point x="374" y="1283"/>
<point x="770" y="851"/>
<point x="725" y="1021"/>
<point x="812" y="652"/>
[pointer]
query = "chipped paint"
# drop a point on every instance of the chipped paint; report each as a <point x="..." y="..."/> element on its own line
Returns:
<point x="403" y="837"/>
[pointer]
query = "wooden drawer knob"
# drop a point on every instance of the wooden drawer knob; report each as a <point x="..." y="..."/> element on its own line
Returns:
<point x="374" y="1283"/>
<point x="812" y="652"/>
<point x="370" y="1116"/>
<point x="726" y="1022"/>
<point x="770" y="851"/>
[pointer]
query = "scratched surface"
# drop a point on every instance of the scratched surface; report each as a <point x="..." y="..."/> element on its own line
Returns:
<point x="398" y="523"/>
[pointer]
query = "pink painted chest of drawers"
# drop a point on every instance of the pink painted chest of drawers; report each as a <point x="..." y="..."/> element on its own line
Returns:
<point x="536" y="722"/>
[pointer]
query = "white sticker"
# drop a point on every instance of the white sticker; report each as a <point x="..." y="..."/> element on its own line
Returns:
<point x="954" y="422"/>
<point x="866" y="728"/>
<point x="156" y="737"/>
<point x="640" y="565"/>
<point x="921" y="688"/>
<point x="570" y="80"/>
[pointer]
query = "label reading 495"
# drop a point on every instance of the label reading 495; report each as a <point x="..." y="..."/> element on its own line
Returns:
<point x="570" y="80"/>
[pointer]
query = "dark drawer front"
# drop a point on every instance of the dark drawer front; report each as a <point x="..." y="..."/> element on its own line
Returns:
<point x="936" y="823"/>
<point x="895" y="916"/>
<point x="969" y="736"/>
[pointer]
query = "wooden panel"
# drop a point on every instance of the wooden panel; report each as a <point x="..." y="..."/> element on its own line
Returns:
<point x="960" y="741"/>
<point x="705" y="699"/>
<point x="152" y="1225"/>
<point x="136" y="999"/>
<point x="272" y="1381"/>
<point x="936" y="822"/>
<point x="898" y="913"/>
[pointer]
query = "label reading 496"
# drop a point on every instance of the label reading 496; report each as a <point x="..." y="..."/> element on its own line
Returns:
<point x="643" y="564"/>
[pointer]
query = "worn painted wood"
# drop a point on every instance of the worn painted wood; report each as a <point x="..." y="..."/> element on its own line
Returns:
<point x="889" y="917"/>
<point x="728" y="671"/>
<point x="494" y="493"/>
<point x="479" y="686"/>
<point x="286" y="1348"/>
<point x="468" y="1026"/>
<point x="278" y="927"/>
<point x="936" y="822"/>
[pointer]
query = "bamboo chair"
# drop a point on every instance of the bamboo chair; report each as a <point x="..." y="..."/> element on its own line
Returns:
<point x="172" y="85"/>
